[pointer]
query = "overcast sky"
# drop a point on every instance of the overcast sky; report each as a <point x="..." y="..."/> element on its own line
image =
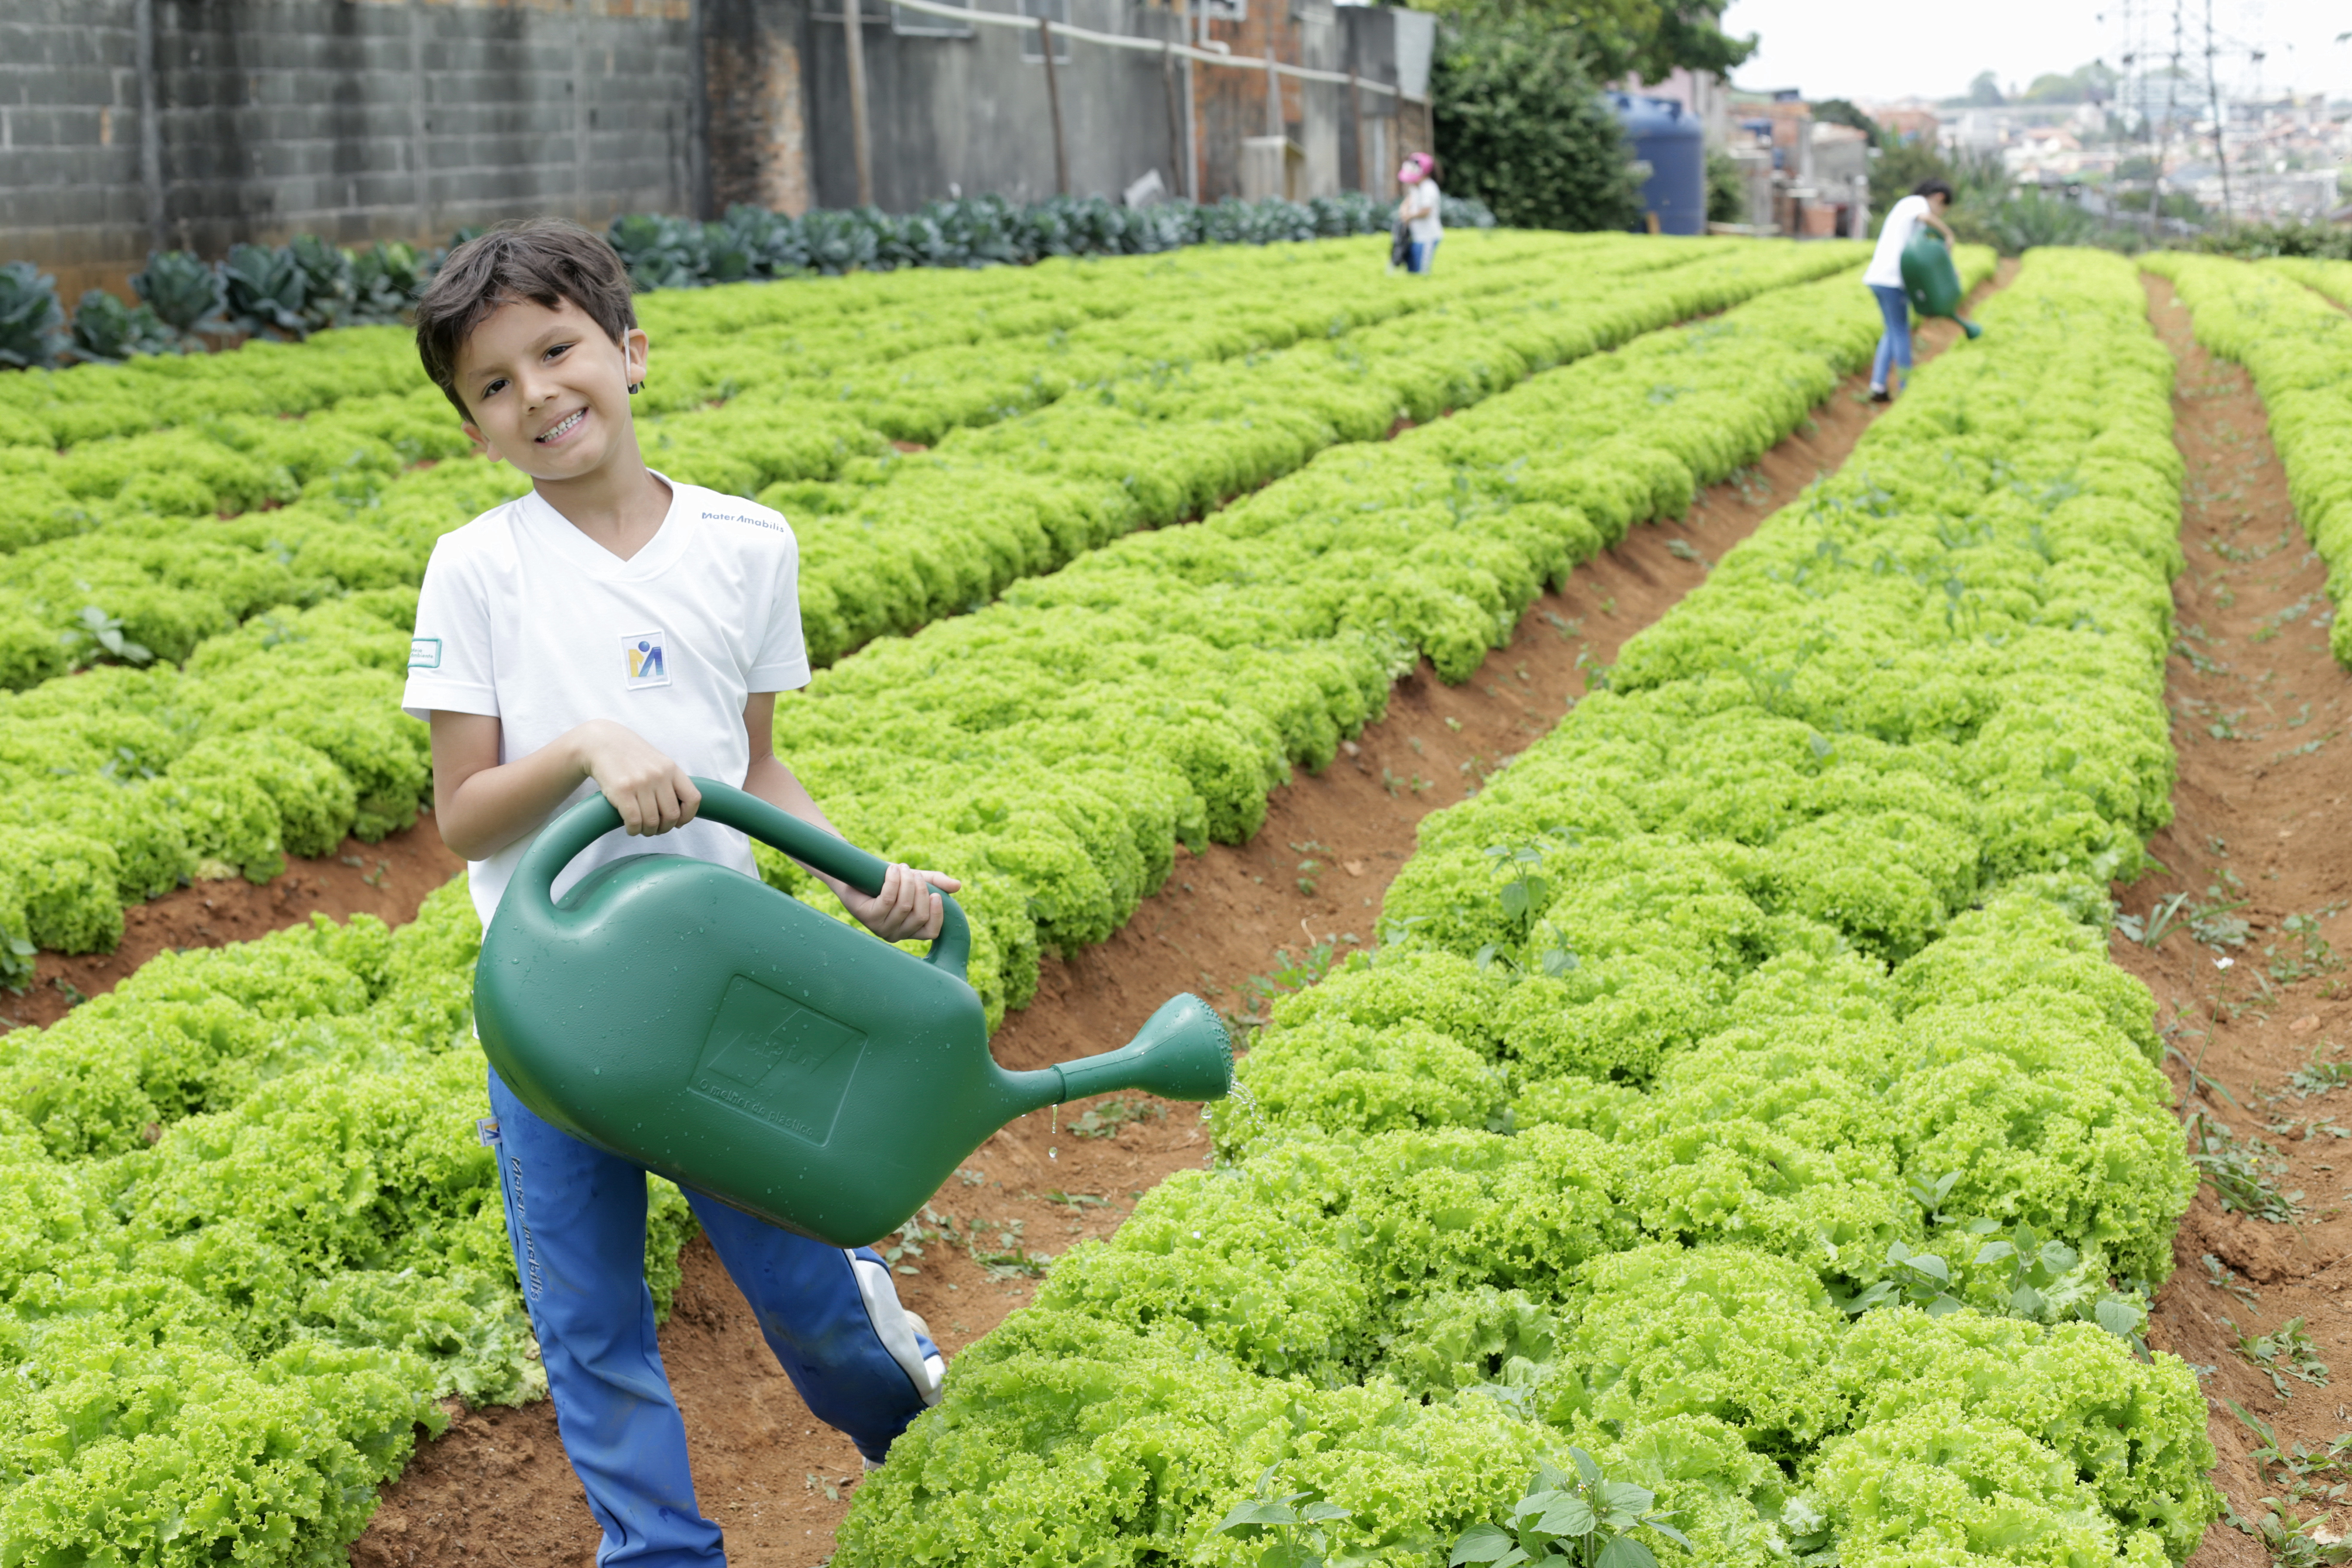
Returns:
<point x="1893" y="48"/>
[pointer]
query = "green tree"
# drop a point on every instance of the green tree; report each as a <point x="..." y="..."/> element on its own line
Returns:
<point x="1521" y="126"/>
<point x="1727" y="188"/>
<point x="1614" y="39"/>
<point x="1984" y="92"/>
<point x="1845" y="112"/>
<point x="2093" y="83"/>
<point x="1898" y="168"/>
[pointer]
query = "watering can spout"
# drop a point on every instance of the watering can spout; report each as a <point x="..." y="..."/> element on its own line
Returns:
<point x="1183" y="1052"/>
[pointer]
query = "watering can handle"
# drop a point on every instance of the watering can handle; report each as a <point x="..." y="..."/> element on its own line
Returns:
<point x="577" y="828"/>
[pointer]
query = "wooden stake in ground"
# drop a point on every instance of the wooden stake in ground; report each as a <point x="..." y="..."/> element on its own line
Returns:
<point x="861" y="145"/>
<point x="1053" y="101"/>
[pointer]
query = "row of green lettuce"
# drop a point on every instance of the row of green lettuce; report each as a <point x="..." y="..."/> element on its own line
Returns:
<point x="2299" y="348"/>
<point x="1197" y="387"/>
<point x="141" y="514"/>
<point x="309" y="285"/>
<point x="282" y="735"/>
<point x="247" y="1233"/>
<point x="247" y="1236"/>
<point x="1054" y="748"/>
<point x="1741" y="1093"/>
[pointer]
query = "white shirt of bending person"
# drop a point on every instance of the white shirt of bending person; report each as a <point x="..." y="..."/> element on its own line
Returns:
<point x="1420" y="210"/>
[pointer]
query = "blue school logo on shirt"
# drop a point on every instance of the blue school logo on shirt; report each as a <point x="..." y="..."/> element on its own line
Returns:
<point x="642" y="652"/>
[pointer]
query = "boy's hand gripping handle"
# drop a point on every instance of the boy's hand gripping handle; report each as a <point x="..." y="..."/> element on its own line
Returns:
<point x="563" y="840"/>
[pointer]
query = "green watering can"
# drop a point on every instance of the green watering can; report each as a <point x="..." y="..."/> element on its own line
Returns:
<point x="715" y="1030"/>
<point x="1931" y="280"/>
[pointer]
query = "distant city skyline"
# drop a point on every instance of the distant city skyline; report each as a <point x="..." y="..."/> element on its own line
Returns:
<point x="1904" y="49"/>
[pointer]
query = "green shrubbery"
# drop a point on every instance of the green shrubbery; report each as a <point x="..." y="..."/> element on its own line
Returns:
<point x="1773" y="975"/>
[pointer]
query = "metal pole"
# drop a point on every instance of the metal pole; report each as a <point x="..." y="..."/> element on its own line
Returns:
<point x="1192" y="186"/>
<point x="1273" y="88"/>
<point x="2164" y="139"/>
<point x="860" y="146"/>
<point x="698" y="118"/>
<point x="2213" y="92"/>
<point x="1175" y="119"/>
<point x="150" y="125"/>
<point x="1054" y="101"/>
<point x="1356" y="129"/>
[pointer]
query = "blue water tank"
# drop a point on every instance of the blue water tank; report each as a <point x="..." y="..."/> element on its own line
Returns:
<point x="1667" y="137"/>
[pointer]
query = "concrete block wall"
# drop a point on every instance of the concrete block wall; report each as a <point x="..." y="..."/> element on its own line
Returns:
<point x="355" y="119"/>
<point x="971" y="114"/>
<point x="69" y="130"/>
<point x="127" y="125"/>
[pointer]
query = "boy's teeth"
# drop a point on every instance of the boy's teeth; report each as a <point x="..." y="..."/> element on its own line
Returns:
<point x="568" y="422"/>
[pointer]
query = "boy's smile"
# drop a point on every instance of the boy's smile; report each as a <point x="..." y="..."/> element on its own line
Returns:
<point x="548" y="391"/>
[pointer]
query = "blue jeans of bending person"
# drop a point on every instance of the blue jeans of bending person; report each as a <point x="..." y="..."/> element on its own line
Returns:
<point x="1895" y="343"/>
<point x="1422" y="256"/>
<point x="576" y="1216"/>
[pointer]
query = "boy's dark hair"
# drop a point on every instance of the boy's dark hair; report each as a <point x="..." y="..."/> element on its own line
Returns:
<point x="544" y="260"/>
<point x="1934" y="188"/>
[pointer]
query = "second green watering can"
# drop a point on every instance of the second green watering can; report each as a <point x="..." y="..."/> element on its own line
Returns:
<point x="1931" y="280"/>
<point x="723" y="1034"/>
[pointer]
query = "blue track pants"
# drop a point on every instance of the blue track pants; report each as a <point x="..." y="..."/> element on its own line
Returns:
<point x="1895" y="343"/>
<point x="577" y="1218"/>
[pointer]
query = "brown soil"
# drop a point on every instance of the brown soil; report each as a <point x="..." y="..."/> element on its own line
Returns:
<point x="2260" y="712"/>
<point x="497" y="1488"/>
<point x="387" y="881"/>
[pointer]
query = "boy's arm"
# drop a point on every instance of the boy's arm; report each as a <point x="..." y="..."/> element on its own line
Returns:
<point x="482" y="805"/>
<point x="907" y="908"/>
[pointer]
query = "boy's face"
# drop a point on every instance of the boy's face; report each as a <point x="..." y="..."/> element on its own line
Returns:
<point x="549" y="392"/>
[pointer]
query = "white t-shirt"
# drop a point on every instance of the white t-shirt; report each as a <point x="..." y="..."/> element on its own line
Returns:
<point x="1902" y="221"/>
<point x="524" y="617"/>
<point x="1421" y="206"/>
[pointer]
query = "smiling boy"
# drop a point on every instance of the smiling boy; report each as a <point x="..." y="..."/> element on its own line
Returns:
<point x="614" y="630"/>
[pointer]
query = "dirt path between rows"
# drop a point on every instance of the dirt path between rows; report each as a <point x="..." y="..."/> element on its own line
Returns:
<point x="1234" y="924"/>
<point x="2246" y="1000"/>
<point x="387" y="881"/>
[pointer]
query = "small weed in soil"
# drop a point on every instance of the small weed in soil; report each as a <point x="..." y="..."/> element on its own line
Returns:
<point x="1261" y="991"/>
<point x="2243" y="1174"/>
<point x="929" y="1225"/>
<point x="1007" y="1259"/>
<point x="1105" y="1120"/>
<point x="2316" y="1076"/>
<point x="2285" y="1352"/>
<point x="2151" y="931"/>
<point x="2302" y="952"/>
<point x="2223" y="1277"/>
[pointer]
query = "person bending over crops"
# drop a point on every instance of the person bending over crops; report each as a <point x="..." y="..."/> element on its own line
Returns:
<point x="1926" y="204"/>
<point x="1418" y="212"/>
<point x="614" y="630"/>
